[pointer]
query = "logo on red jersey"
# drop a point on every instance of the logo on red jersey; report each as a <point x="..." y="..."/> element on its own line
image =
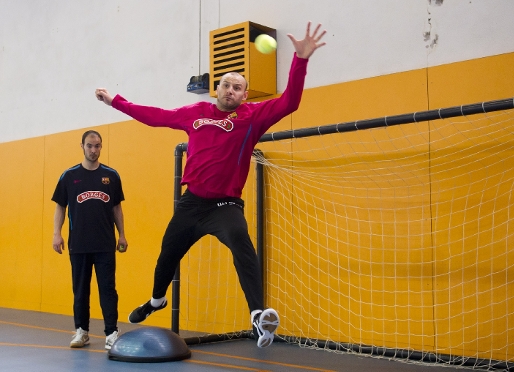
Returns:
<point x="86" y="195"/>
<point x="224" y="124"/>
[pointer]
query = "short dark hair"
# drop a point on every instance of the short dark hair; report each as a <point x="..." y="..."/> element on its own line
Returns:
<point x="87" y="133"/>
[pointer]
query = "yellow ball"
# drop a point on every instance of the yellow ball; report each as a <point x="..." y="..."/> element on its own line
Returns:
<point x="265" y="44"/>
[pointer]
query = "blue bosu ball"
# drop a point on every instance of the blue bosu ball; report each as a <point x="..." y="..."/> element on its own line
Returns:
<point x="149" y="345"/>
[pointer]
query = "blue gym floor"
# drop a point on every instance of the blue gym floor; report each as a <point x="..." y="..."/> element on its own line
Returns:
<point x="39" y="342"/>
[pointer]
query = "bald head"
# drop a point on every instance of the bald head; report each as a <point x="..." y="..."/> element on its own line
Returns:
<point x="231" y="91"/>
<point x="236" y="75"/>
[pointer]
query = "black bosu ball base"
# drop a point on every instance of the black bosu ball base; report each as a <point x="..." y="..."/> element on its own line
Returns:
<point x="149" y="345"/>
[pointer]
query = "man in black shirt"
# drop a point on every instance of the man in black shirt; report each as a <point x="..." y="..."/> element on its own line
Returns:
<point x="92" y="192"/>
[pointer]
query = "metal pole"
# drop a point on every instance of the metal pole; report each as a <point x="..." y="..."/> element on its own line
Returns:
<point x="260" y="215"/>
<point x="175" y="285"/>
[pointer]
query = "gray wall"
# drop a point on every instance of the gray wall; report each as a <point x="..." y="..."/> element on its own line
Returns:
<point x="54" y="53"/>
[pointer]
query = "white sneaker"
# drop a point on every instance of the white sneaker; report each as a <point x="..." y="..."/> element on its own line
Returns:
<point x="265" y="324"/>
<point x="80" y="338"/>
<point x="109" y="340"/>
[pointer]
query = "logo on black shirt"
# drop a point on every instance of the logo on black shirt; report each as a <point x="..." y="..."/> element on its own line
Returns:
<point x="86" y="195"/>
<point x="105" y="180"/>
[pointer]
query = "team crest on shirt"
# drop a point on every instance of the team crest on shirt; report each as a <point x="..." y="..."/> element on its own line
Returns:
<point x="87" y="195"/>
<point x="105" y="180"/>
<point x="224" y="124"/>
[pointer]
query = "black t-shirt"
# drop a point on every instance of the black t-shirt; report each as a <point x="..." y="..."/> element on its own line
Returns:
<point x="90" y="197"/>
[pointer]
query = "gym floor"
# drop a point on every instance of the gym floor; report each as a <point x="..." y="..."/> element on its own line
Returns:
<point x="35" y="341"/>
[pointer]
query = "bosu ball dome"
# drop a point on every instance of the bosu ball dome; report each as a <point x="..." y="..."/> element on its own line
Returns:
<point x="149" y="345"/>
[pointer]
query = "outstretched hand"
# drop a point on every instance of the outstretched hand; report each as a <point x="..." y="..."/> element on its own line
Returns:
<point x="304" y="48"/>
<point x="103" y="95"/>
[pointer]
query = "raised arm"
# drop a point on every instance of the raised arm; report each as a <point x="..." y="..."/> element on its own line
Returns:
<point x="271" y="111"/>
<point x="103" y="95"/>
<point x="304" y="48"/>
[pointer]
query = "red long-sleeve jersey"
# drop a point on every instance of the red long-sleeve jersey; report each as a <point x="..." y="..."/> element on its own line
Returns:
<point x="221" y="143"/>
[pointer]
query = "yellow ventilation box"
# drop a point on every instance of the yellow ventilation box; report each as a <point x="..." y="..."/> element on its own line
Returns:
<point x="233" y="49"/>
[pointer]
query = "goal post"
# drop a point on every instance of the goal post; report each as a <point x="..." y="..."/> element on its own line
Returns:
<point x="197" y="336"/>
<point x="379" y="238"/>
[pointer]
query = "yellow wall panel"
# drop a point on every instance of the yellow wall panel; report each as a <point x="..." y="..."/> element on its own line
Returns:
<point x="473" y="81"/>
<point x="363" y="99"/>
<point x="20" y="223"/>
<point x="144" y="158"/>
<point x="363" y="262"/>
<point x="471" y="203"/>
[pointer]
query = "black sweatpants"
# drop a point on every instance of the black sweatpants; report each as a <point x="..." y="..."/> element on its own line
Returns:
<point x="81" y="271"/>
<point x="224" y="218"/>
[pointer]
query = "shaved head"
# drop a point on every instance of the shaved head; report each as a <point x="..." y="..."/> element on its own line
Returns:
<point x="231" y="91"/>
<point x="237" y="75"/>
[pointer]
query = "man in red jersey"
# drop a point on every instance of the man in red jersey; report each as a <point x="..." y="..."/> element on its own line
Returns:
<point x="222" y="137"/>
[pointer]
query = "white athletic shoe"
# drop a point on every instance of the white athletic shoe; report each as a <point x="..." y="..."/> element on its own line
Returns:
<point x="109" y="340"/>
<point x="265" y="324"/>
<point x="80" y="338"/>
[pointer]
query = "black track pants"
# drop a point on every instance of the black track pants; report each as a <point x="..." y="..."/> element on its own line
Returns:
<point x="81" y="271"/>
<point x="195" y="217"/>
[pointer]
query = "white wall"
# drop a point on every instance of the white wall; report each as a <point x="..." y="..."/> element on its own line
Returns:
<point x="54" y="53"/>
